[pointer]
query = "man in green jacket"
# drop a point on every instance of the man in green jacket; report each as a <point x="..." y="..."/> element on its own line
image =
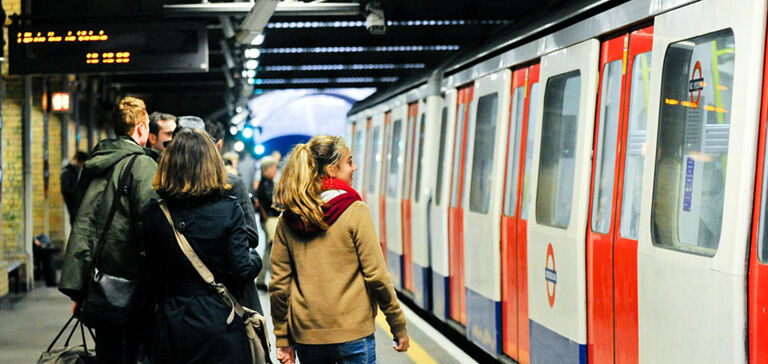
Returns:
<point x="115" y="313"/>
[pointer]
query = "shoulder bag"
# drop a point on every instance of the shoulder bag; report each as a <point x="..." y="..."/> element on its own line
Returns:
<point x="79" y="354"/>
<point x="255" y="323"/>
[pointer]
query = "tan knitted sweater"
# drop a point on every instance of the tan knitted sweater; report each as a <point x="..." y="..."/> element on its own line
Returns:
<point x="326" y="290"/>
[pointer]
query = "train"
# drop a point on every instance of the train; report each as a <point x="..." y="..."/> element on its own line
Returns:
<point x="588" y="189"/>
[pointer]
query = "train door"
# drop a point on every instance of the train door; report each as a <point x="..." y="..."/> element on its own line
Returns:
<point x="486" y="142"/>
<point x="556" y="240"/>
<point x="382" y="184"/>
<point x="457" y="282"/>
<point x="405" y="202"/>
<point x="358" y="154"/>
<point x="700" y="169"/>
<point x="392" y="193"/>
<point x="514" y="271"/>
<point x="612" y="230"/>
<point x="420" y="200"/>
<point x="373" y="171"/>
<point x="439" y="260"/>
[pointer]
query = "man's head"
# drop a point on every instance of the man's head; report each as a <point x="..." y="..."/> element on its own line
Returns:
<point x="161" y="128"/>
<point x="268" y="167"/>
<point x="276" y="155"/>
<point x="130" y="118"/>
<point x="216" y="132"/>
<point x="79" y="158"/>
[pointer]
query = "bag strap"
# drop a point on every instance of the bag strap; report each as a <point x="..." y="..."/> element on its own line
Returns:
<point x="201" y="269"/>
<point x="122" y="188"/>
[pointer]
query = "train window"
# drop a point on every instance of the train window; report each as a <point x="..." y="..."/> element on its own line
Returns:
<point x="607" y="137"/>
<point x="558" y="147"/>
<point x="373" y="164"/>
<point x="515" y="129"/>
<point x="420" y="156"/>
<point x="482" y="155"/>
<point x="441" y="156"/>
<point x="692" y="151"/>
<point x="357" y="157"/>
<point x="529" y="144"/>
<point x="408" y="157"/>
<point x="457" y="155"/>
<point x="635" y="149"/>
<point x="762" y="249"/>
<point x="394" y="159"/>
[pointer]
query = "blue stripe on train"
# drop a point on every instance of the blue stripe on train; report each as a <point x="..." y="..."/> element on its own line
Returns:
<point x="395" y="265"/>
<point x="548" y="346"/>
<point x="422" y="286"/>
<point x="484" y="322"/>
<point x="440" y="298"/>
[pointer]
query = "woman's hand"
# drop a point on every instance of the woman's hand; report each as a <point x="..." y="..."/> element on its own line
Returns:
<point x="286" y="355"/>
<point x="402" y="344"/>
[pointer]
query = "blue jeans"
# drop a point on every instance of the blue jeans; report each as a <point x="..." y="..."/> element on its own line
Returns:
<point x="360" y="351"/>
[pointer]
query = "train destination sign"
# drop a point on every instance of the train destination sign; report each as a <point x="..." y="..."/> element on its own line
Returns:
<point x="108" y="48"/>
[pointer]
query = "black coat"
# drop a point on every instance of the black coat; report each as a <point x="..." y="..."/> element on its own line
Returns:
<point x="190" y="326"/>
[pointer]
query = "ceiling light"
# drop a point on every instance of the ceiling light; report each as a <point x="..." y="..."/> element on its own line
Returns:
<point x="251" y="64"/>
<point x="252" y="53"/>
<point x="233" y="130"/>
<point x="258" y="40"/>
<point x="239" y="146"/>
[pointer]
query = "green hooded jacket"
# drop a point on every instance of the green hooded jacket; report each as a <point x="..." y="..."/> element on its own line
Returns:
<point x="121" y="253"/>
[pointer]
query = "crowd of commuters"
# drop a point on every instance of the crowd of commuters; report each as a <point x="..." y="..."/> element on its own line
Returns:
<point x="136" y="287"/>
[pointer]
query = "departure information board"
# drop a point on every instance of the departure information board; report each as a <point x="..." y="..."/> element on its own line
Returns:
<point x="108" y="48"/>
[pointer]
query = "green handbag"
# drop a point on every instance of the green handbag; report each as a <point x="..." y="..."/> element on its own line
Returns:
<point x="76" y="354"/>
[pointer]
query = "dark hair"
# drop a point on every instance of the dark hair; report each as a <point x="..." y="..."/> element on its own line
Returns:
<point x="80" y="156"/>
<point x="155" y="118"/>
<point x="191" y="166"/>
<point x="215" y="130"/>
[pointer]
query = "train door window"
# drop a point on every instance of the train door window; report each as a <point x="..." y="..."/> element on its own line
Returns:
<point x="529" y="144"/>
<point x="558" y="144"/>
<point x="408" y="157"/>
<point x="394" y="159"/>
<point x="635" y="149"/>
<point x="441" y="156"/>
<point x="515" y="129"/>
<point x="482" y="156"/>
<point x="420" y="156"/>
<point x="357" y="157"/>
<point x="373" y="163"/>
<point x="762" y="249"/>
<point x="607" y="137"/>
<point x="457" y="155"/>
<point x="694" y="126"/>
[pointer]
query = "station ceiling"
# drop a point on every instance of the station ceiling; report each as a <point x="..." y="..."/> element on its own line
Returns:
<point x="307" y="44"/>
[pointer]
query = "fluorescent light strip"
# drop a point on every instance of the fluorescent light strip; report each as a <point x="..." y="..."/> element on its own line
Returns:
<point x="391" y="23"/>
<point x="337" y="67"/>
<point x="412" y="48"/>
<point x="300" y="81"/>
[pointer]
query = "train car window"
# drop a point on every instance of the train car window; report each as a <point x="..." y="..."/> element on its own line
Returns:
<point x="762" y="249"/>
<point x="529" y="144"/>
<point x="635" y="149"/>
<point x="558" y="147"/>
<point x="408" y="157"/>
<point x="441" y="156"/>
<point x="394" y="159"/>
<point x="457" y="155"/>
<point x="358" y="156"/>
<point x="607" y="137"/>
<point x="515" y="128"/>
<point x="482" y="156"/>
<point x="373" y="163"/>
<point x="420" y="156"/>
<point x="692" y="151"/>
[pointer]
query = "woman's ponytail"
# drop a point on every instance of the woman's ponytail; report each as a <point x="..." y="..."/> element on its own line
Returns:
<point x="300" y="186"/>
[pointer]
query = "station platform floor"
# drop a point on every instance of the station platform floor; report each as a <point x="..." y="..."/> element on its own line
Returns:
<point x="29" y="321"/>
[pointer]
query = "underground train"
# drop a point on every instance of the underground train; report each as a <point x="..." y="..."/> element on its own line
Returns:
<point x="592" y="193"/>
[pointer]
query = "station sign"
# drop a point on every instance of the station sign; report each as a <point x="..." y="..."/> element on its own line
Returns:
<point x="108" y="48"/>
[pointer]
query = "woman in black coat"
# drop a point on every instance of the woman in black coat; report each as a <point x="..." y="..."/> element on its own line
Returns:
<point x="190" y="324"/>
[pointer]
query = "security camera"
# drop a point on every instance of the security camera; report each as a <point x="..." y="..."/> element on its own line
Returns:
<point x="374" y="18"/>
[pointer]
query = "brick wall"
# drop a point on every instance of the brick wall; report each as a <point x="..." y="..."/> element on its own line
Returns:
<point x="55" y="201"/>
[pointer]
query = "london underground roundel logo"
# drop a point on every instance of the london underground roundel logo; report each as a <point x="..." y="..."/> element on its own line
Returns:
<point x="695" y="85"/>
<point x="550" y="274"/>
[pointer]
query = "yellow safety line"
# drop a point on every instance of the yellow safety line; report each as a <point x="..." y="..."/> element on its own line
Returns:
<point x="415" y="351"/>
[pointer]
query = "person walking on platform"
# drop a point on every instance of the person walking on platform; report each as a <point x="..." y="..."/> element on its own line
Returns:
<point x="103" y="269"/>
<point x="191" y="324"/>
<point x="161" y="127"/>
<point x="328" y="273"/>
<point x="69" y="175"/>
<point x="268" y="213"/>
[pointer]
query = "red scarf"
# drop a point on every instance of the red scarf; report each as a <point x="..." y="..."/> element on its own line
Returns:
<point x="332" y="209"/>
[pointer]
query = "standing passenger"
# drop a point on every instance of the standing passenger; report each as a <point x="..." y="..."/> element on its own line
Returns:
<point x="161" y="127"/>
<point x="328" y="273"/>
<point x="117" y="315"/>
<point x="69" y="175"/>
<point x="268" y="213"/>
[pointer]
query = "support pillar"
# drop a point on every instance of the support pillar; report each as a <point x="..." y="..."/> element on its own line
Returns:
<point x="26" y="150"/>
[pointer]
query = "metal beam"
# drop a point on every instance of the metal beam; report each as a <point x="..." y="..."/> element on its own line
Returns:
<point x="283" y="9"/>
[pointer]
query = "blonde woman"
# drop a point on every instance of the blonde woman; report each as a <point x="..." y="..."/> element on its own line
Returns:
<point x="328" y="273"/>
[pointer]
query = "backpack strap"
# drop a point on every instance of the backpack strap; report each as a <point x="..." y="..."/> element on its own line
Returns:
<point x="122" y="188"/>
